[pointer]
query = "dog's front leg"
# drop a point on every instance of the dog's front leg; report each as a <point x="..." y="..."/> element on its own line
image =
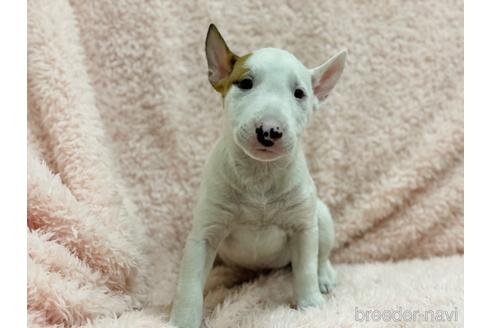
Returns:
<point x="304" y="257"/>
<point x="199" y="254"/>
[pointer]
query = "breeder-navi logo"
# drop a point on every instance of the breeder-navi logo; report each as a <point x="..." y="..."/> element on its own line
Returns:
<point x="406" y="315"/>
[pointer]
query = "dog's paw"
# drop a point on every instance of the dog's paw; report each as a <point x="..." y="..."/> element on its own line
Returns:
<point x="326" y="283"/>
<point x="185" y="322"/>
<point x="188" y="320"/>
<point x="327" y="280"/>
<point x="313" y="300"/>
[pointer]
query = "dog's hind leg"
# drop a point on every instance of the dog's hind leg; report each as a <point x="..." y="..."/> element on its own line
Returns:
<point x="326" y="273"/>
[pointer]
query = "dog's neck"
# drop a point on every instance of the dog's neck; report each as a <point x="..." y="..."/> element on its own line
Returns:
<point x="259" y="176"/>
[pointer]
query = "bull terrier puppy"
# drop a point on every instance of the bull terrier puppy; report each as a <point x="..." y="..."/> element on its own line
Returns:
<point x="257" y="206"/>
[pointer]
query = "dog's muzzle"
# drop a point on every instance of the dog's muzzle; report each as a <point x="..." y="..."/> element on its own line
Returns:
<point x="266" y="143"/>
<point x="268" y="134"/>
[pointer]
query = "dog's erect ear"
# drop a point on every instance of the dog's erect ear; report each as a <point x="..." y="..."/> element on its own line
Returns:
<point x="325" y="76"/>
<point x="219" y="58"/>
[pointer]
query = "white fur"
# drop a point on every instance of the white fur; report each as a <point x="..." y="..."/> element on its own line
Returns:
<point x="256" y="210"/>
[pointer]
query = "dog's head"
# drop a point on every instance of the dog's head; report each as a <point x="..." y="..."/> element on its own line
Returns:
<point x="269" y="95"/>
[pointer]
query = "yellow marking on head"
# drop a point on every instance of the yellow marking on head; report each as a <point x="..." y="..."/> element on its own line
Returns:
<point x="239" y="70"/>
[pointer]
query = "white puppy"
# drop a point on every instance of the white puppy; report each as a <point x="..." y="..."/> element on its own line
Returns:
<point x="258" y="206"/>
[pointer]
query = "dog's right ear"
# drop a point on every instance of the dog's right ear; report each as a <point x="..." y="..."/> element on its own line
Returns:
<point x="219" y="58"/>
<point x="325" y="76"/>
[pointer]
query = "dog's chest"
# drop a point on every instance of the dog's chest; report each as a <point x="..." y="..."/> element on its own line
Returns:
<point x="260" y="209"/>
<point x="282" y="209"/>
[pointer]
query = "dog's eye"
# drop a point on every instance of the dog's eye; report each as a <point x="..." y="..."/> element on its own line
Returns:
<point x="299" y="94"/>
<point x="245" y="84"/>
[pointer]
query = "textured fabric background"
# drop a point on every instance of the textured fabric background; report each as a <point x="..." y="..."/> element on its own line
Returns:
<point x="121" y="118"/>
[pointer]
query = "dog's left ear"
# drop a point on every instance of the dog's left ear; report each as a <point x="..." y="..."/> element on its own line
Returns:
<point x="219" y="58"/>
<point x="325" y="76"/>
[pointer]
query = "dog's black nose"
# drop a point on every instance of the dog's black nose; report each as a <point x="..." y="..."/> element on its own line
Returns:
<point x="266" y="134"/>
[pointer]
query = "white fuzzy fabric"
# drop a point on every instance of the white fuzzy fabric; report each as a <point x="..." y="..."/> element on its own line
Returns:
<point x="415" y="285"/>
<point x="121" y="118"/>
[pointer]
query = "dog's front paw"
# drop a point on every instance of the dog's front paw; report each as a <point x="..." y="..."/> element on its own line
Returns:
<point x="313" y="300"/>
<point x="185" y="322"/>
<point x="185" y="319"/>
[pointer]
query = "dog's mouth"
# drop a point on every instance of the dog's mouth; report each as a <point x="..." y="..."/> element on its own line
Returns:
<point x="265" y="154"/>
<point x="266" y="150"/>
<point x="257" y="151"/>
<point x="262" y="153"/>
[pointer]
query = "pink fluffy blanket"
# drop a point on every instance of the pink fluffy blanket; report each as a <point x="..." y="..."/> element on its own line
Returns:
<point x="121" y="118"/>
